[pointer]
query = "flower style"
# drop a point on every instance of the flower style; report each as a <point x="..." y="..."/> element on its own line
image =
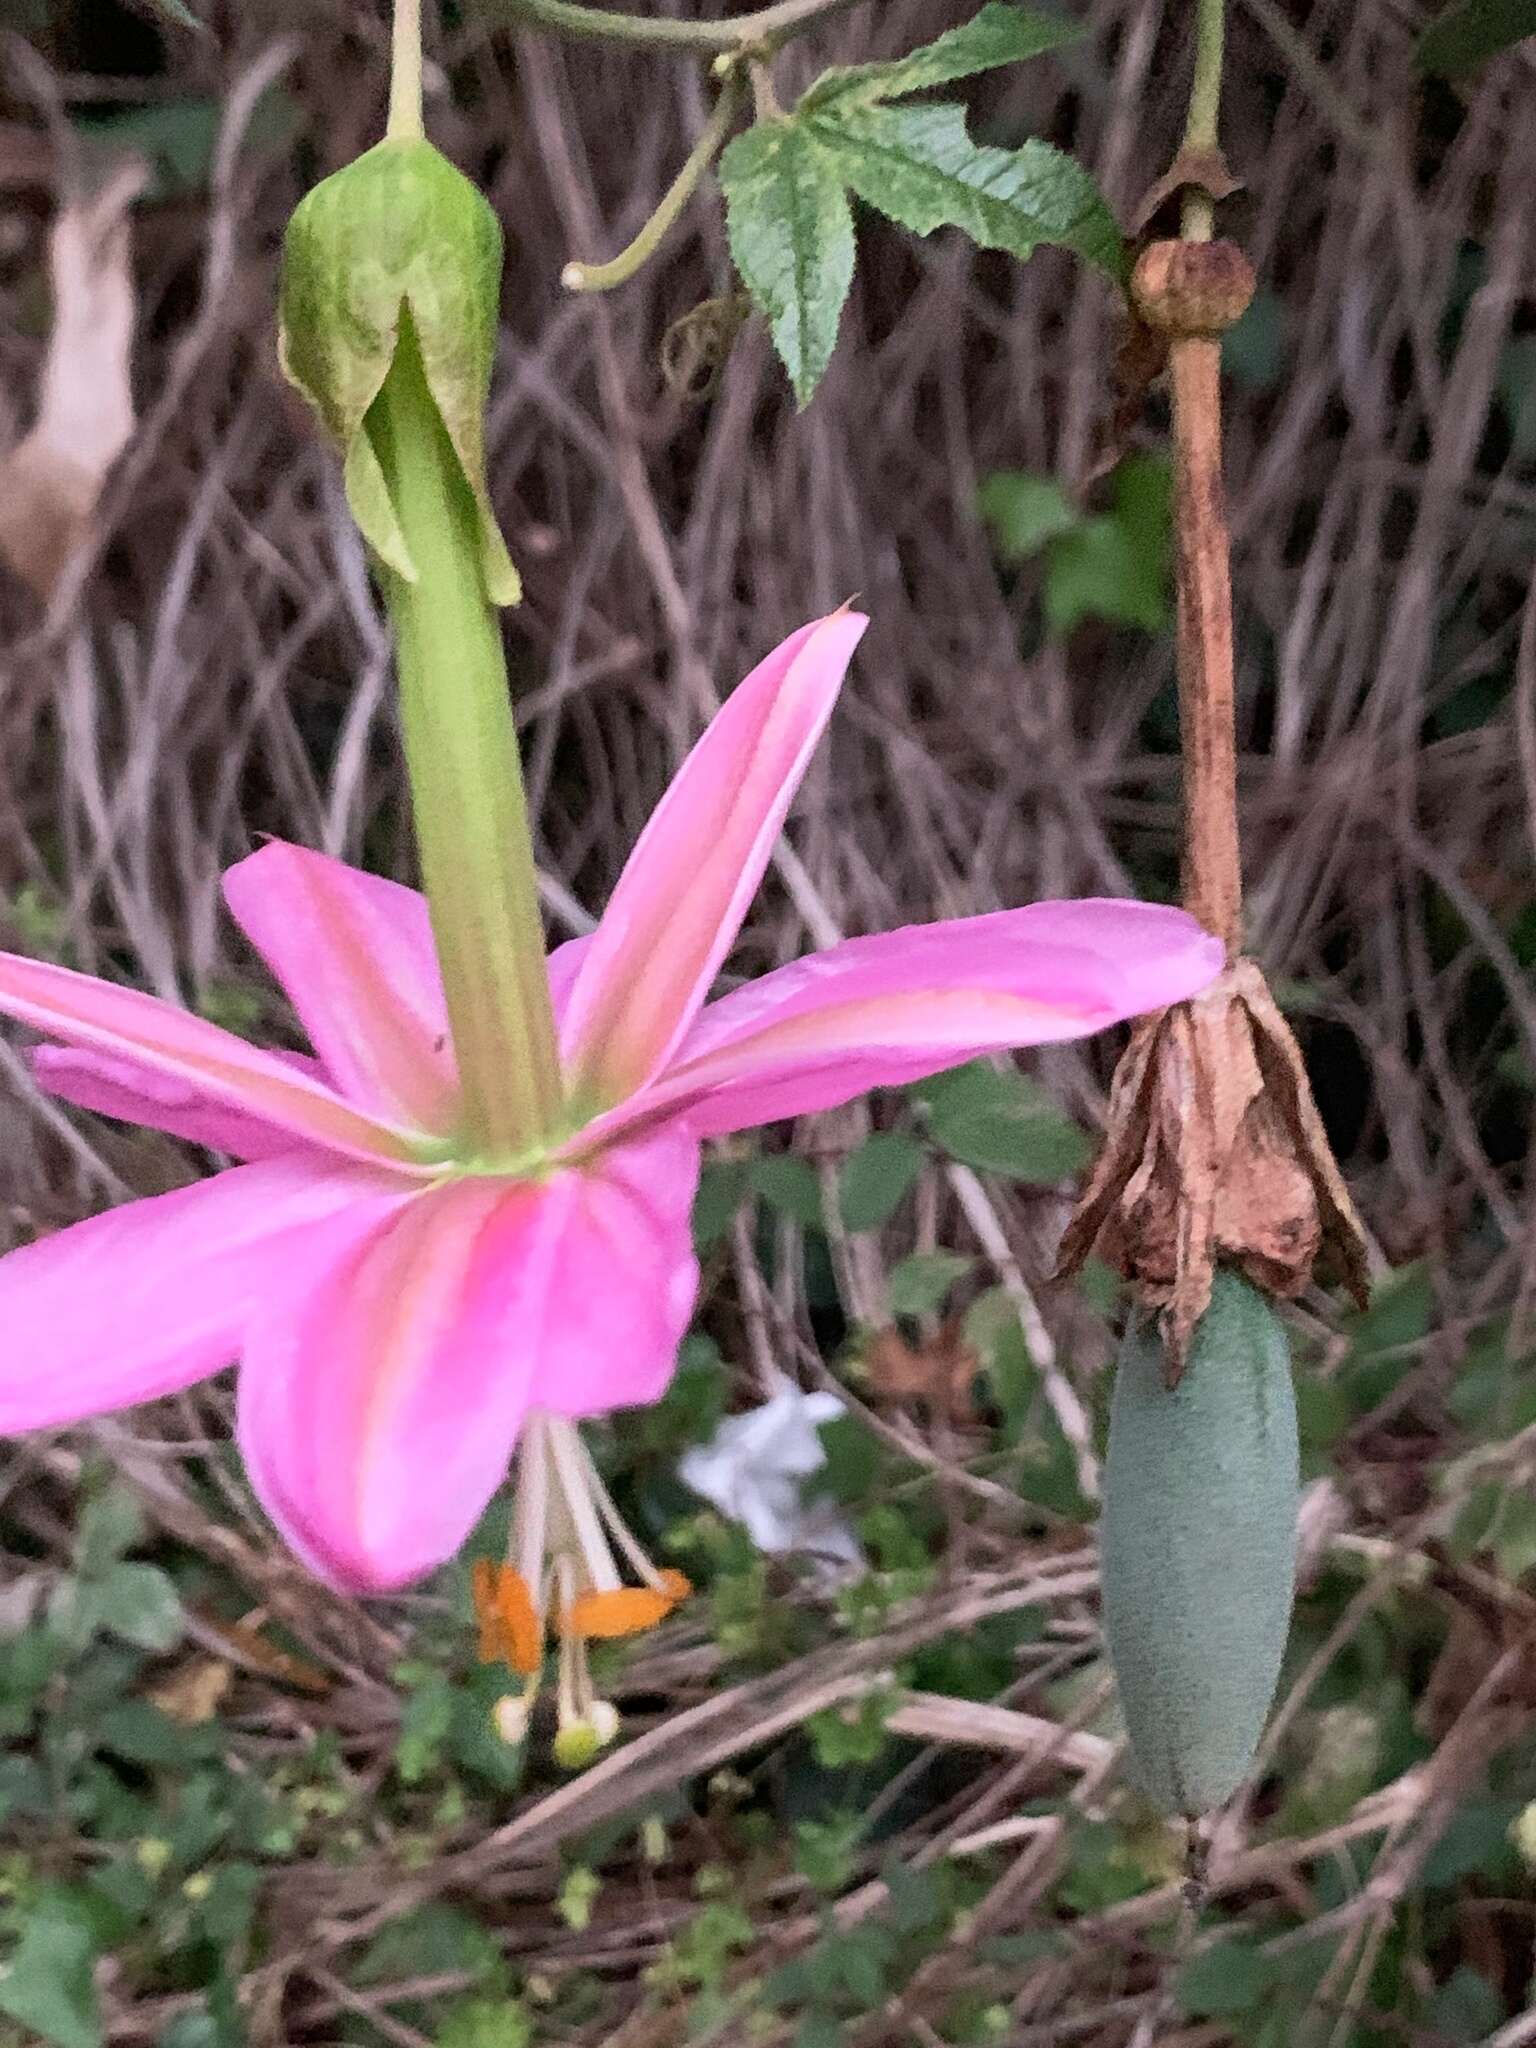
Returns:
<point x="401" y="1296"/>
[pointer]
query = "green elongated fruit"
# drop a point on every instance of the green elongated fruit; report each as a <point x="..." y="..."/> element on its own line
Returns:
<point x="1198" y="1545"/>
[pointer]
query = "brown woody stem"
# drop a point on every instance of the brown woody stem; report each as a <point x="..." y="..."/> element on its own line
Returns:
<point x="1213" y="883"/>
<point x="1213" y="886"/>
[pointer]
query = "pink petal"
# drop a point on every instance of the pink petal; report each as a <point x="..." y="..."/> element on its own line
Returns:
<point x="164" y="1043"/>
<point x="156" y="1294"/>
<point x="378" y="1414"/>
<point x="876" y="1012"/>
<point x="685" y="890"/>
<point x="625" y="1277"/>
<point x="120" y="1088"/>
<point x="562" y="967"/>
<point x="356" y="957"/>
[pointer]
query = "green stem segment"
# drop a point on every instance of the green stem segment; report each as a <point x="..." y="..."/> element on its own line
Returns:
<point x="1200" y="127"/>
<point x="766" y="25"/>
<point x="405" y="70"/>
<point x="466" y="778"/>
<point x="602" y="277"/>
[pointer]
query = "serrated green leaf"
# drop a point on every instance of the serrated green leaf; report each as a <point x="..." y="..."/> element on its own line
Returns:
<point x="998" y="35"/>
<point x="919" y="166"/>
<point x="791" y="234"/>
<point x="1470" y="32"/>
<point x="47" y="1984"/>
<point x="876" y="1177"/>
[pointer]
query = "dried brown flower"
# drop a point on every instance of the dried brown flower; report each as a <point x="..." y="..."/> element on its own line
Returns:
<point x="1215" y="1151"/>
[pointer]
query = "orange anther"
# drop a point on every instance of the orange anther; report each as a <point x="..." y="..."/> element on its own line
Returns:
<point x="625" y="1612"/>
<point x="520" y="1619"/>
<point x="509" y="1622"/>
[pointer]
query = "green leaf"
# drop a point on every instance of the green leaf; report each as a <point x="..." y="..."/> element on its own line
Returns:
<point x="1382" y="1335"/>
<point x="1471" y="31"/>
<point x="1099" y="572"/>
<point x="1023" y="511"/>
<point x="474" y="1740"/>
<point x="1117" y="566"/>
<point x="225" y="1911"/>
<point x="876" y="1177"/>
<point x="425" y="1722"/>
<point x="434" y="1940"/>
<point x="855" y="1459"/>
<point x="1142" y="489"/>
<point x="722" y="1190"/>
<point x="486" y="2023"/>
<point x="920" y="1283"/>
<point x="137" y="1731"/>
<point x="918" y="165"/>
<point x="181" y="136"/>
<point x="1517" y="395"/>
<point x="997" y="35"/>
<point x="48" y="1984"/>
<point x="111" y="1523"/>
<point x="1229" y="1978"/>
<point x="1476" y="1843"/>
<point x="141" y="1606"/>
<point x="791" y="234"/>
<point x="790" y="1186"/>
<point x="1466" y="2008"/>
<point x="1000" y="1122"/>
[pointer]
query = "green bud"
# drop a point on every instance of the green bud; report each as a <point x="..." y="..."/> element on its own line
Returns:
<point x="400" y="230"/>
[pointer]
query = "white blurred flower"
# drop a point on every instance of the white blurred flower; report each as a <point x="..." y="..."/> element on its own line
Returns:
<point x="752" y="1469"/>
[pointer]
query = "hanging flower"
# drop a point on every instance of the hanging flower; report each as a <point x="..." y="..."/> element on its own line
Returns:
<point x="406" y="1298"/>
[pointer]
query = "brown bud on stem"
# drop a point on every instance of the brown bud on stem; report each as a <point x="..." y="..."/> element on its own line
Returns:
<point x="1192" y="288"/>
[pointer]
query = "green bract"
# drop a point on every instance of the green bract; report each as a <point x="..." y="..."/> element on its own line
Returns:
<point x="400" y="229"/>
<point x="1199" y="1545"/>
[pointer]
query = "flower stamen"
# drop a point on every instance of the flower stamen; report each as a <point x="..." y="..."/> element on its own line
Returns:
<point x="564" y="1579"/>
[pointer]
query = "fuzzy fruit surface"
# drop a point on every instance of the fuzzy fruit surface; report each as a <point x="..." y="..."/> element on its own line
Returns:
<point x="1198" y="1545"/>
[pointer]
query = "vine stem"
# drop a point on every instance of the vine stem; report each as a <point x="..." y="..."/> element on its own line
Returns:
<point x="1213" y="884"/>
<point x="602" y="277"/>
<point x="765" y="25"/>
<point x="405" y="71"/>
<point x="1200" y="127"/>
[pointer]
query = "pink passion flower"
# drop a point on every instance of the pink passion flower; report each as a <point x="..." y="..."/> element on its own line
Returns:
<point x="402" y="1307"/>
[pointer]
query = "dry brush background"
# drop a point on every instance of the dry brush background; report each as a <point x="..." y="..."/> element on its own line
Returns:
<point x="212" y="666"/>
